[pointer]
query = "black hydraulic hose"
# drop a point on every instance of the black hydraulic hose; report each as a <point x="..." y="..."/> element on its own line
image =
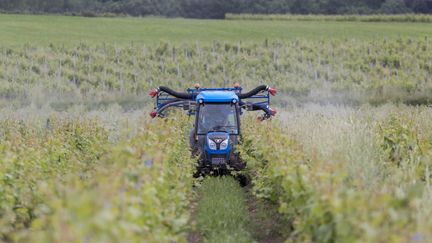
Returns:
<point x="268" y="112"/>
<point x="253" y="106"/>
<point x="257" y="107"/>
<point x="253" y="92"/>
<point x="166" y="105"/>
<point x="171" y="101"/>
<point x="180" y="95"/>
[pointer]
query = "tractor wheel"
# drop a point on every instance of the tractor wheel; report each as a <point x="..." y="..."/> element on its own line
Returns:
<point x="244" y="180"/>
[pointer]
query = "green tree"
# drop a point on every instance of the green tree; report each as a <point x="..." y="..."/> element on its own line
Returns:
<point x="420" y="6"/>
<point x="394" y="7"/>
<point x="218" y="8"/>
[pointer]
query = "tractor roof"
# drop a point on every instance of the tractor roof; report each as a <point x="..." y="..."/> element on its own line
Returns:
<point x="217" y="96"/>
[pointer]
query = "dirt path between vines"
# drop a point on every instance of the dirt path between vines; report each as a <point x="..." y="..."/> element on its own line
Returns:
<point x="264" y="222"/>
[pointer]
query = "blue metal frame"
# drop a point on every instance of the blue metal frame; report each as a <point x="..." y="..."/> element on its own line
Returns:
<point x="162" y="97"/>
<point x="217" y="97"/>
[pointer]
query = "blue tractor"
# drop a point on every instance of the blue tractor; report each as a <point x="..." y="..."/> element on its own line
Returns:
<point x="217" y="120"/>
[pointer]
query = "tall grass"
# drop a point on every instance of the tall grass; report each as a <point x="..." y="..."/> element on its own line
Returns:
<point x="222" y="213"/>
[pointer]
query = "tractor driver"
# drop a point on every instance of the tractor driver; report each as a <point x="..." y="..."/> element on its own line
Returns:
<point x="217" y="118"/>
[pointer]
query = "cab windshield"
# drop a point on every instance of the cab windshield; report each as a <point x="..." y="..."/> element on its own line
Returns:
<point x="217" y="118"/>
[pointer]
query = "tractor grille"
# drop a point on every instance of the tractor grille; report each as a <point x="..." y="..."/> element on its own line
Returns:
<point x="218" y="160"/>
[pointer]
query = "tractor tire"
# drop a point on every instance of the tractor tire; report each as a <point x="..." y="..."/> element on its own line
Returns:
<point x="244" y="180"/>
<point x="194" y="146"/>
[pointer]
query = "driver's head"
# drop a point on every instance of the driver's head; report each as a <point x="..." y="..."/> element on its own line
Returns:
<point x="219" y="114"/>
<point x="219" y="119"/>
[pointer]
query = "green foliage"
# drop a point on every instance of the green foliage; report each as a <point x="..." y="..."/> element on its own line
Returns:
<point x="394" y="7"/>
<point x="66" y="183"/>
<point x="61" y="180"/>
<point x="320" y="198"/>
<point x="404" y="148"/>
<point x="399" y="141"/>
<point x="32" y="155"/>
<point x="389" y="16"/>
<point x="216" y="8"/>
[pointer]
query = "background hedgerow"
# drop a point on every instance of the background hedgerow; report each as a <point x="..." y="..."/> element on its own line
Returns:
<point x="352" y="18"/>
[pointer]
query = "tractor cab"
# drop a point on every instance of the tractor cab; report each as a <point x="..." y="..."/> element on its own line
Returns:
<point x="217" y="117"/>
<point x="217" y="111"/>
<point x="217" y="129"/>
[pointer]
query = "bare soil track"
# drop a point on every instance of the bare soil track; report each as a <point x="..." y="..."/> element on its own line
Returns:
<point x="267" y="226"/>
<point x="264" y="222"/>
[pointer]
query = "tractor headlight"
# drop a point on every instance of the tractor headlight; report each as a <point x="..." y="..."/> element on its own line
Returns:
<point x="224" y="144"/>
<point x="211" y="144"/>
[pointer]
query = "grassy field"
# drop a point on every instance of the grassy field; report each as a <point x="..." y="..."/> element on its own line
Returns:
<point x="80" y="159"/>
<point x="64" y="60"/>
<point x="222" y="213"/>
<point x="16" y="30"/>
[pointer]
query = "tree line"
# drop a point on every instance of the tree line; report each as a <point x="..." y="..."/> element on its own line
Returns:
<point x="215" y="8"/>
